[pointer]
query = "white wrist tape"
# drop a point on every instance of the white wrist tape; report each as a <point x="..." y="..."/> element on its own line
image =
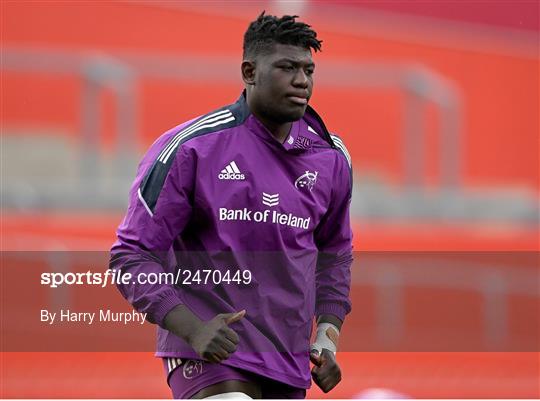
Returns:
<point x="327" y="337"/>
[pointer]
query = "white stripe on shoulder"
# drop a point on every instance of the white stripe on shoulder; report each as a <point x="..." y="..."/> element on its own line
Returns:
<point x="339" y="143"/>
<point x="342" y="146"/>
<point x="182" y="134"/>
<point x="346" y="156"/>
<point x="210" y="118"/>
<point x="189" y="127"/>
<point x="221" y="120"/>
<point x="349" y="162"/>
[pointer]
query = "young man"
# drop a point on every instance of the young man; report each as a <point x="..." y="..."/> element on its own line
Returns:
<point x="247" y="208"/>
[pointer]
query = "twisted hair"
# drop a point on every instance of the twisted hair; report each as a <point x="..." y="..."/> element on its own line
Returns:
<point x="268" y="30"/>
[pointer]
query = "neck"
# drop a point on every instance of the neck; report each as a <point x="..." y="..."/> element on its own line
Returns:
<point x="279" y="131"/>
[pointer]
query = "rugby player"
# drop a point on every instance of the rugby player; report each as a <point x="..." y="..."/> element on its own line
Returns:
<point x="259" y="192"/>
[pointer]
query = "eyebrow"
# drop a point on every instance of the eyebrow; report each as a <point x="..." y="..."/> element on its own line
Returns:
<point x="294" y="62"/>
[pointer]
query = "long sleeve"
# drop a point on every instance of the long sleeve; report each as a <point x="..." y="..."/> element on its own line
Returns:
<point x="159" y="208"/>
<point x="333" y="237"/>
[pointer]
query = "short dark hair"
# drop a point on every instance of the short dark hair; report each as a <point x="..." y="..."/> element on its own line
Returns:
<point x="268" y="30"/>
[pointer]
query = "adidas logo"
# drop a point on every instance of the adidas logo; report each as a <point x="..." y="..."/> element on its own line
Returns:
<point x="231" y="172"/>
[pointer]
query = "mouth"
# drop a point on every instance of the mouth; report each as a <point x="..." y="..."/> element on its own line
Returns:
<point x="299" y="100"/>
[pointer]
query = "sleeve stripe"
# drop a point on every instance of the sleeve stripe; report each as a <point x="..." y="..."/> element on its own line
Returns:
<point x="197" y="127"/>
<point x="144" y="203"/>
<point x="214" y="122"/>
<point x="173" y="363"/>
<point x="179" y="139"/>
<point x="339" y="143"/>
<point x="156" y="176"/>
<point x="347" y="156"/>
<point x="197" y="124"/>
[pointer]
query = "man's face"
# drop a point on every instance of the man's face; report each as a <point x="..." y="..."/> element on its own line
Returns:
<point x="283" y="83"/>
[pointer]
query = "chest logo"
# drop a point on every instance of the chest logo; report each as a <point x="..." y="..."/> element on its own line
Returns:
<point x="306" y="180"/>
<point x="270" y="200"/>
<point x="231" y="172"/>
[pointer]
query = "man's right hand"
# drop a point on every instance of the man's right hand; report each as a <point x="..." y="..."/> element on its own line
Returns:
<point x="214" y="340"/>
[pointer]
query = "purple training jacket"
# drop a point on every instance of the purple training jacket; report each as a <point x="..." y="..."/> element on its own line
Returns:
<point x="240" y="221"/>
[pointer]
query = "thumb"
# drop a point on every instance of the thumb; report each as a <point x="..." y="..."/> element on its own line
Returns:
<point x="234" y="317"/>
<point x="315" y="358"/>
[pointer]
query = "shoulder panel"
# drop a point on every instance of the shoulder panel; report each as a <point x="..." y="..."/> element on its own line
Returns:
<point x="218" y="120"/>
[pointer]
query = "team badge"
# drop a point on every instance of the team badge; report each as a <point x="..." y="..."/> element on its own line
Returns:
<point x="307" y="180"/>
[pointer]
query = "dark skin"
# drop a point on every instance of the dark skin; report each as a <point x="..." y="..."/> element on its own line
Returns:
<point x="279" y="85"/>
<point x="326" y="373"/>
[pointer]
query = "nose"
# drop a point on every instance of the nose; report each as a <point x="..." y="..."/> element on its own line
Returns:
<point x="301" y="79"/>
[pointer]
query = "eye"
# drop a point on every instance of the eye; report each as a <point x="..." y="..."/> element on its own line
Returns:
<point x="288" y="68"/>
<point x="310" y="71"/>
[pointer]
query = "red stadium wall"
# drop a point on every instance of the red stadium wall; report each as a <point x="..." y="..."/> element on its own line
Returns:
<point x="500" y="91"/>
<point x="500" y="140"/>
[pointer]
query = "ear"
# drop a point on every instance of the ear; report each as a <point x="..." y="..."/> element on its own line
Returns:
<point x="248" y="72"/>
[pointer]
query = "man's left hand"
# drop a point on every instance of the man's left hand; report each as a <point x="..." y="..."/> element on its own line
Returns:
<point x="326" y="372"/>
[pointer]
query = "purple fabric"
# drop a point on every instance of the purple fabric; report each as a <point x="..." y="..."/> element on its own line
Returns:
<point x="189" y="377"/>
<point x="197" y="211"/>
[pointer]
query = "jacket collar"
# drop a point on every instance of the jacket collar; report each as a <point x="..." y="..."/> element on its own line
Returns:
<point x="311" y="118"/>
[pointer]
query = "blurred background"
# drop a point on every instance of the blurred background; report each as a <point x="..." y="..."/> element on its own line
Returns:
<point x="437" y="102"/>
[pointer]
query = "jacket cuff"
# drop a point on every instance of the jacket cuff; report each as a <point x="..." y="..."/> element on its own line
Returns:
<point x="164" y="307"/>
<point x="332" y="308"/>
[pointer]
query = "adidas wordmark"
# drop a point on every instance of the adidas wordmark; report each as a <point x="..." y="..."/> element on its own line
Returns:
<point x="231" y="172"/>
